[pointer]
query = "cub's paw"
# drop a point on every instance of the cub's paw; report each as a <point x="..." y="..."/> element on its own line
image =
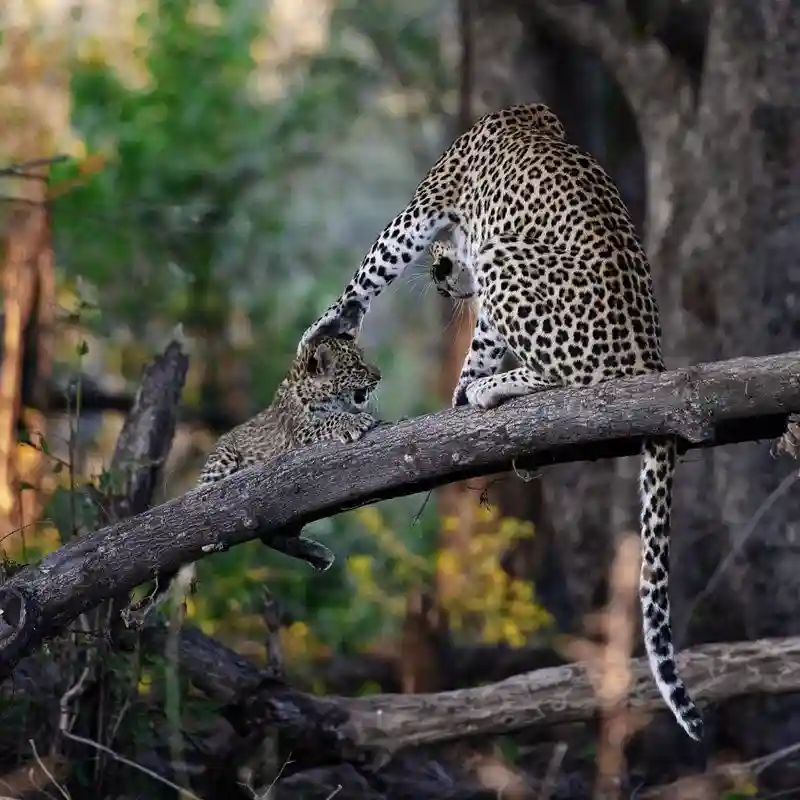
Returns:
<point x="355" y="426"/>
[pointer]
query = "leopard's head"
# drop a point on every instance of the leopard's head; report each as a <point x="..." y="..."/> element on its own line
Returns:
<point x="449" y="274"/>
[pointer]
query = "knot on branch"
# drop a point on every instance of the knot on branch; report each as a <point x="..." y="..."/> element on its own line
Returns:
<point x="308" y="726"/>
<point x="693" y="420"/>
<point x="19" y="617"/>
<point x="789" y="443"/>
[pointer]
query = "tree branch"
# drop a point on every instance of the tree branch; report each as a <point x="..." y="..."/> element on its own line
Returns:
<point x="566" y="694"/>
<point x="146" y="437"/>
<point x="362" y="728"/>
<point x="709" y="405"/>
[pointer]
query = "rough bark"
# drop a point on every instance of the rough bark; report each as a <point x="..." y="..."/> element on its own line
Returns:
<point x="146" y="437"/>
<point x="708" y="405"/>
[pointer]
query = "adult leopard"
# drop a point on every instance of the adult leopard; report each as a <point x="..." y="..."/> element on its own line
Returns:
<point x="538" y="231"/>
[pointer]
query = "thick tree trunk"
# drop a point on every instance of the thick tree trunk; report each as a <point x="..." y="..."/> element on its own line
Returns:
<point x="722" y="230"/>
<point x="758" y="309"/>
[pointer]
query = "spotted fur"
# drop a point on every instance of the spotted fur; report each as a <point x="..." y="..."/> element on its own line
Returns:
<point x="322" y="398"/>
<point x="537" y="230"/>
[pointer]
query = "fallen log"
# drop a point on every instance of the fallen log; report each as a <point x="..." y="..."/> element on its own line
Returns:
<point x="372" y="727"/>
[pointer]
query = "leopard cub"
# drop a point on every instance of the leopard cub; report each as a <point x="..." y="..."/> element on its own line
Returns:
<point x="323" y="397"/>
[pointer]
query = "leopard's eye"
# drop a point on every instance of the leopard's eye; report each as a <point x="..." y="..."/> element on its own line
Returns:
<point x="442" y="269"/>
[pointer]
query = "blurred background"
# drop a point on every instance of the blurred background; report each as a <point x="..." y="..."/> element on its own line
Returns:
<point x="229" y="162"/>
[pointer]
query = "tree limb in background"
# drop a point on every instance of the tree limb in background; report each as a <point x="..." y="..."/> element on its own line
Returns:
<point x="361" y="728"/>
<point x="146" y="437"/>
<point x="709" y="405"/>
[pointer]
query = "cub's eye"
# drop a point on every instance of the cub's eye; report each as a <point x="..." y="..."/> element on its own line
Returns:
<point x="360" y="395"/>
<point x="442" y="269"/>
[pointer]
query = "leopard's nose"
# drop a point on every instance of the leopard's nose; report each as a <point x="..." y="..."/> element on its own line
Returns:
<point x="374" y="373"/>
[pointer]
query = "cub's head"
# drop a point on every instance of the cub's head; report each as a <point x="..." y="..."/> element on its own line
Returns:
<point x="333" y="369"/>
<point x="449" y="275"/>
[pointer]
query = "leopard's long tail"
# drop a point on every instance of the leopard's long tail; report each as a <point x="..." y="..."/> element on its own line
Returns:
<point x="658" y="467"/>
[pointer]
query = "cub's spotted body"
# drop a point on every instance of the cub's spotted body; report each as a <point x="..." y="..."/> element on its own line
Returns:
<point x="537" y="231"/>
<point x="322" y="398"/>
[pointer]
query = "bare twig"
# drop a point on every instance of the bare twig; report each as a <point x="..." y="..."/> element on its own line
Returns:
<point x="64" y="793"/>
<point x="266" y="794"/>
<point x="549" y="782"/>
<point x="23" y="168"/>
<point x="66" y="714"/>
<point x="117" y="757"/>
<point x="31" y="777"/>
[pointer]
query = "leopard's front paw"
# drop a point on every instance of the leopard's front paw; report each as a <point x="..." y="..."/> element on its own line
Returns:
<point x="343" y="318"/>
<point x="470" y="393"/>
<point x="479" y="397"/>
<point x="356" y="426"/>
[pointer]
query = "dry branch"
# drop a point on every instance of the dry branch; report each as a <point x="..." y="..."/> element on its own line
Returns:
<point x="361" y="728"/>
<point x="146" y="437"/>
<point x="709" y="405"/>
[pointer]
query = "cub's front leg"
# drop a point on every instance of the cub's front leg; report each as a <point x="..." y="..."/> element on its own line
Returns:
<point x="342" y="426"/>
<point x="347" y="427"/>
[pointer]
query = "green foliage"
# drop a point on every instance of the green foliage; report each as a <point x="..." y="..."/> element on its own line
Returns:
<point x="184" y="208"/>
<point x="157" y="215"/>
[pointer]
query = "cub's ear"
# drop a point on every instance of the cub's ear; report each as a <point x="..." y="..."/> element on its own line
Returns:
<point x="320" y="362"/>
